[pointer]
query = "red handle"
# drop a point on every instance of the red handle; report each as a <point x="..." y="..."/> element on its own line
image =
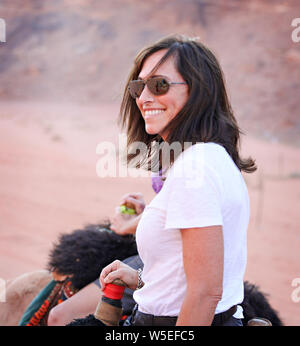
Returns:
<point x="113" y="291"/>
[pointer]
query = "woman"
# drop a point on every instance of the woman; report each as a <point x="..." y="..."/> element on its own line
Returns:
<point x="192" y="236"/>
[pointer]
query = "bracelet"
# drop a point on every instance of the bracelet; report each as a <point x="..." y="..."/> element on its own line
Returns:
<point x="140" y="283"/>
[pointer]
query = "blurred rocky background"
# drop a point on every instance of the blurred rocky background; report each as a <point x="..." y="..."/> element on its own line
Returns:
<point x="80" y="51"/>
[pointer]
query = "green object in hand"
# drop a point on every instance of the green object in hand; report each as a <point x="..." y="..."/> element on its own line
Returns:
<point x="125" y="210"/>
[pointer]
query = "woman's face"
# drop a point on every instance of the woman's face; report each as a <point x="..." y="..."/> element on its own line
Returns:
<point x="158" y="110"/>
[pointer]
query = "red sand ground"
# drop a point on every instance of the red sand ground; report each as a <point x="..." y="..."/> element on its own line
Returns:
<point x="49" y="185"/>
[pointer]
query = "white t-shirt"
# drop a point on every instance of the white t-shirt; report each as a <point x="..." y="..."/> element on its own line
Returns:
<point x="203" y="188"/>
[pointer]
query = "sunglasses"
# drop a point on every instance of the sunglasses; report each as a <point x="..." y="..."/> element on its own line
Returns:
<point x="156" y="85"/>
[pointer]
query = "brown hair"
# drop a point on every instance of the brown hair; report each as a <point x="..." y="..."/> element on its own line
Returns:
<point x="207" y="115"/>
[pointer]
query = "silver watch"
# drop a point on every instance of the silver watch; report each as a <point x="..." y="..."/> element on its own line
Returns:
<point x="140" y="281"/>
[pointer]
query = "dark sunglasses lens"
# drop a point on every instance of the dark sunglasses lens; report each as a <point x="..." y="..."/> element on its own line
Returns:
<point x="135" y="88"/>
<point x="158" y="86"/>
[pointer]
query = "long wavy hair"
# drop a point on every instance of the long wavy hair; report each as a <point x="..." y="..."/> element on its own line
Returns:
<point x="207" y="115"/>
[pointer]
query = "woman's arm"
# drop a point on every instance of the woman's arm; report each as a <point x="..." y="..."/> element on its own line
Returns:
<point x="203" y="257"/>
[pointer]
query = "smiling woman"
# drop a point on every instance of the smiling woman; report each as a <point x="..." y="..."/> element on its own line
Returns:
<point x="192" y="236"/>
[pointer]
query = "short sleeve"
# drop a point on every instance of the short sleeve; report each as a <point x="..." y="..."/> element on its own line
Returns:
<point x="195" y="192"/>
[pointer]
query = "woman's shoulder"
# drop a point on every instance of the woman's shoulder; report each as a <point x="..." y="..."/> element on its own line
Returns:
<point x="203" y="157"/>
<point x="209" y="147"/>
<point x="195" y="158"/>
<point x="204" y="152"/>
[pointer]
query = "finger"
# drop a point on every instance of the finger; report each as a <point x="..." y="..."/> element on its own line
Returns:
<point x="134" y="195"/>
<point x="137" y="195"/>
<point x="123" y="199"/>
<point x="108" y="269"/>
<point x="131" y="202"/>
<point x="102" y="280"/>
<point x="112" y="276"/>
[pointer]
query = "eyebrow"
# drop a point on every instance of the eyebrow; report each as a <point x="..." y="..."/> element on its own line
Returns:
<point x="152" y="76"/>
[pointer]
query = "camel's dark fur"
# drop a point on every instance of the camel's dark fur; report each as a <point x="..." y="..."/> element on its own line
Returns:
<point x="85" y="252"/>
<point x="256" y="304"/>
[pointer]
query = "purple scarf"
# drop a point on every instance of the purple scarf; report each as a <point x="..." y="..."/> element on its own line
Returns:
<point x="157" y="182"/>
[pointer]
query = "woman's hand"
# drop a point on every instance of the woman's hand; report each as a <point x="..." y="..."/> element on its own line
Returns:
<point x="134" y="201"/>
<point x="119" y="270"/>
<point x="124" y="224"/>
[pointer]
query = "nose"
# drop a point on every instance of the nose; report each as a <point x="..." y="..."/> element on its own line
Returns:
<point x="146" y="95"/>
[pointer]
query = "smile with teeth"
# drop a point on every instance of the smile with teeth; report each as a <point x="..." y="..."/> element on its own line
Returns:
<point x="154" y="112"/>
